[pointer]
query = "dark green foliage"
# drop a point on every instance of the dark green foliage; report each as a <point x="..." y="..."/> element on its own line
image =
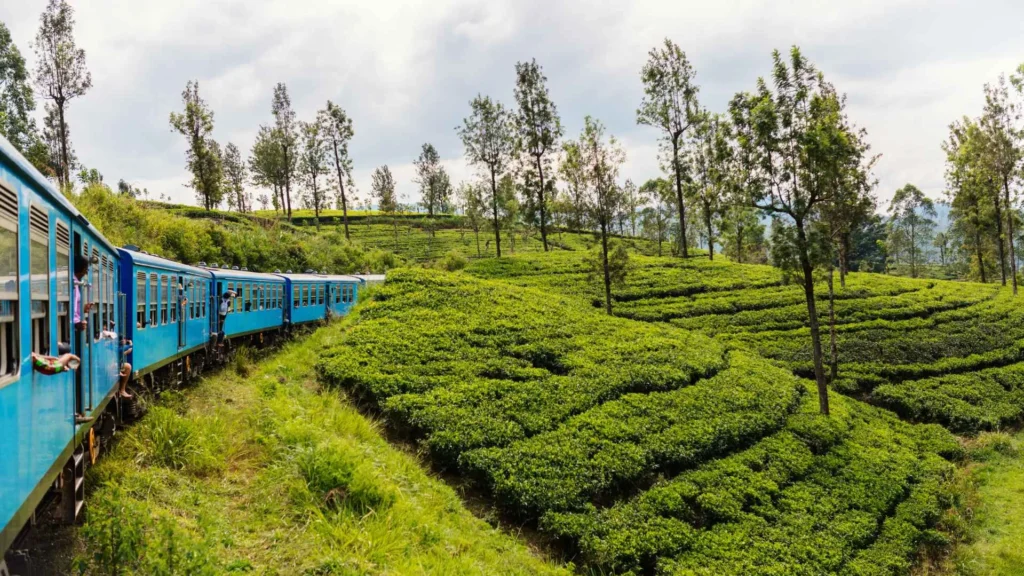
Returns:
<point x="932" y="351"/>
<point x="228" y="239"/>
<point x="646" y="448"/>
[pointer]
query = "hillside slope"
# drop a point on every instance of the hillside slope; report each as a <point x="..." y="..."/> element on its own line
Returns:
<point x="932" y="351"/>
<point x="645" y="447"/>
<point x="261" y="472"/>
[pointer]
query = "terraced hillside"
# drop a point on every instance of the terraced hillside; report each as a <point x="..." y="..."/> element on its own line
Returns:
<point x="418" y="244"/>
<point x="932" y="351"/>
<point x="642" y="446"/>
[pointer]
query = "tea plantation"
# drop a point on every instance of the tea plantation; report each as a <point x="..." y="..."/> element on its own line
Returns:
<point x="931" y="351"/>
<point x="639" y="445"/>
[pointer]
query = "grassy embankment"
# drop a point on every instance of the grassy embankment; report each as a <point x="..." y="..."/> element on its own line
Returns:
<point x="265" y="473"/>
<point x="995" y="482"/>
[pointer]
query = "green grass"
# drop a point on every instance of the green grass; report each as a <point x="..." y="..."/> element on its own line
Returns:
<point x="268" y="474"/>
<point x="996" y="544"/>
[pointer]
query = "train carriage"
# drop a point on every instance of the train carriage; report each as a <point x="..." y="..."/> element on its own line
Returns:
<point x="308" y="298"/>
<point x="46" y="419"/>
<point x="342" y="293"/>
<point x="259" y="308"/>
<point x="171" y="314"/>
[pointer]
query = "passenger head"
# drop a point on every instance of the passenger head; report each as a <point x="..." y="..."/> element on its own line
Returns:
<point x="81" y="266"/>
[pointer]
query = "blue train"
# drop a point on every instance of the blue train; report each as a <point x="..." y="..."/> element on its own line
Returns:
<point x="53" y="426"/>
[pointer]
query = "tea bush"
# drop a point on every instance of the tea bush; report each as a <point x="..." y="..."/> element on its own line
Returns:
<point x="645" y="447"/>
<point x="929" y="350"/>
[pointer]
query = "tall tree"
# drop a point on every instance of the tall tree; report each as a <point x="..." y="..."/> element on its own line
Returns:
<point x="54" y="146"/>
<point x="912" y="216"/>
<point x="743" y="234"/>
<point x="488" y="137"/>
<point x="670" y="104"/>
<point x="60" y="73"/>
<point x="266" y="164"/>
<point x="17" y="101"/>
<point x="573" y="173"/>
<point x="235" y="177"/>
<point x="790" y="132"/>
<point x="382" y="188"/>
<point x="473" y="208"/>
<point x="195" y="123"/>
<point x="435" y="186"/>
<point x="632" y="199"/>
<point x="287" y="139"/>
<point x="656" y="220"/>
<point x="339" y="133"/>
<point x="538" y="129"/>
<point x="968" y="182"/>
<point x="709" y="158"/>
<point x="1004" y="138"/>
<point x="602" y="158"/>
<point x="313" y="166"/>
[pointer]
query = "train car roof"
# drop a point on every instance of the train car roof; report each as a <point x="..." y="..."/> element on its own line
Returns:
<point x="47" y="189"/>
<point x="230" y="274"/>
<point x="161" y="262"/>
<point x="303" y="277"/>
<point x="370" y="277"/>
<point x="340" y="277"/>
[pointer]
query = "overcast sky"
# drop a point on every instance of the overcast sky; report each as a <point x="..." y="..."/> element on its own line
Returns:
<point x="405" y="71"/>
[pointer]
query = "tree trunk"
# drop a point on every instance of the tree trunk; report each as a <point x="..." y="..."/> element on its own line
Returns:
<point x="739" y="243"/>
<point x="844" y="255"/>
<point x="711" y="232"/>
<point x="812" y="313"/>
<point x="834" y="350"/>
<point x="1009" y="235"/>
<point x="913" y="251"/>
<point x="316" y="208"/>
<point x="679" y="198"/>
<point x="540" y="196"/>
<point x="981" y="259"/>
<point x="65" y="168"/>
<point x="341" y="189"/>
<point x="999" y="238"/>
<point x="287" y="185"/>
<point x="607" y="273"/>
<point x="494" y="207"/>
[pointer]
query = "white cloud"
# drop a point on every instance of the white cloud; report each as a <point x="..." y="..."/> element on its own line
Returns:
<point x="405" y="70"/>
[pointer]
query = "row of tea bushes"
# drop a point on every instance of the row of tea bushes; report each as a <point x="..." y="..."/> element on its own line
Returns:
<point x="641" y="445"/>
<point x="891" y="332"/>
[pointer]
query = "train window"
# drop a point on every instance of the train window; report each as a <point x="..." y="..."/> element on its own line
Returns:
<point x="202" y="300"/>
<point x="320" y="294"/>
<point x="165" y="297"/>
<point x="140" y="300"/>
<point x="63" y="284"/>
<point x="9" y="350"/>
<point x="39" y="265"/>
<point x="280" y="296"/>
<point x="104" y="282"/>
<point x="296" y="295"/>
<point x="305" y="295"/>
<point x="259" y="297"/>
<point x="154" y="290"/>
